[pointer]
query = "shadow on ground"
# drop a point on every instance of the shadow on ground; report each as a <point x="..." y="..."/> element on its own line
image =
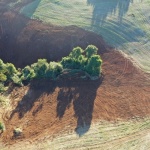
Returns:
<point x="82" y="95"/>
<point x="79" y="94"/>
<point x="101" y="9"/>
<point x="120" y="30"/>
<point x="19" y="5"/>
<point x="36" y="90"/>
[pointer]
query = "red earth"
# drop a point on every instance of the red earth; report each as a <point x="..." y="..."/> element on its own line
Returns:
<point x="50" y="107"/>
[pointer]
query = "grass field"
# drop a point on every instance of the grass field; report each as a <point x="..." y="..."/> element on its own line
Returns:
<point x="120" y="136"/>
<point x="123" y="24"/>
<point x="131" y="135"/>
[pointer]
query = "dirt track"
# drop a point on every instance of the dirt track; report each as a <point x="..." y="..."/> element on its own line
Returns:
<point x="52" y="107"/>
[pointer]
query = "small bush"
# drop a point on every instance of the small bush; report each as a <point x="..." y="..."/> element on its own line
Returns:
<point x="27" y="74"/>
<point x="10" y="70"/>
<point x="17" y="132"/>
<point x="2" y="87"/>
<point x="56" y="69"/>
<point x="91" y="50"/>
<point x="93" y="66"/>
<point x="2" y="126"/>
<point x="40" y="68"/>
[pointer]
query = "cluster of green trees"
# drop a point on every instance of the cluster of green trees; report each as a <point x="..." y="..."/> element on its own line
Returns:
<point x="8" y="73"/>
<point x="86" y="60"/>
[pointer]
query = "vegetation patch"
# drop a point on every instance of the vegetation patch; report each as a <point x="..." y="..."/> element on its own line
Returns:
<point x="17" y="132"/>
<point x="78" y="60"/>
<point x="2" y="127"/>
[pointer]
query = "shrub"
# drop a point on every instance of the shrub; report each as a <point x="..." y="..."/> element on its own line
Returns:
<point x="93" y="66"/>
<point x="91" y="50"/>
<point x="91" y="62"/>
<point x="75" y="60"/>
<point x="2" y="87"/>
<point x="17" y="80"/>
<point x="67" y="62"/>
<point x="86" y="60"/>
<point x="17" y="132"/>
<point x="2" y="126"/>
<point x="2" y="67"/>
<point x="3" y="77"/>
<point x="54" y="70"/>
<point x="27" y="74"/>
<point x="76" y="53"/>
<point x="10" y="70"/>
<point x="40" y="68"/>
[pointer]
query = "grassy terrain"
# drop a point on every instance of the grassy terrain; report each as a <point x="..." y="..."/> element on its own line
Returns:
<point x="122" y="136"/>
<point x="131" y="135"/>
<point x="122" y="24"/>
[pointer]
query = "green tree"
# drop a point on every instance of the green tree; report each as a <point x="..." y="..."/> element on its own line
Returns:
<point x="3" y="77"/>
<point x="54" y="70"/>
<point x="2" y="87"/>
<point x="67" y="62"/>
<point x="76" y="52"/>
<point x="2" y="67"/>
<point x="40" y="68"/>
<point x="27" y="73"/>
<point x="93" y="66"/>
<point x="10" y="70"/>
<point x="91" y="50"/>
<point x="75" y="60"/>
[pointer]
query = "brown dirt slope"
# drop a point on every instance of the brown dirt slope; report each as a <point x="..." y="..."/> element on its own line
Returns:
<point x="51" y="107"/>
<point x="23" y="41"/>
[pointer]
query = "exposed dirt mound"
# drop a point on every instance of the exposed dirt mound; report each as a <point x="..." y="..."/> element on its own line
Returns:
<point x="23" y="41"/>
<point x="51" y="107"/>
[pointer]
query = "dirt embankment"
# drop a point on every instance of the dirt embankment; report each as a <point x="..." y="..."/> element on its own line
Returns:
<point x="47" y="108"/>
<point x="51" y="107"/>
<point x="23" y="41"/>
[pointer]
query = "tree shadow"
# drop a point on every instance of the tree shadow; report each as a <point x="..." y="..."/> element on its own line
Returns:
<point x="82" y="95"/>
<point x="28" y="8"/>
<point x="101" y="9"/>
<point x="29" y="5"/>
<point x="36" y="90"/>
<point x="64" y="99"/>
<point x="115" y="31"/>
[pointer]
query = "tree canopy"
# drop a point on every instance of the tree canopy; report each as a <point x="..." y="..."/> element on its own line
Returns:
<point x="85" y="60"/>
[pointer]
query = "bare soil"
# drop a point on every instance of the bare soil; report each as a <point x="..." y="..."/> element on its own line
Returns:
<point x="23" y="41"/>
<point x="50" y="107"/>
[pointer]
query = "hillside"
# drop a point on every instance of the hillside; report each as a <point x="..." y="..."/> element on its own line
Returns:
<point x="23" y="41"/>
<point x="122" y="24"/>
<point x="57" y="106"/>
<point x="71" y="113"/>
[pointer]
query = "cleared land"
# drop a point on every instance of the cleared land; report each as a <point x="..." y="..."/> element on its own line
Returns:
<point x="102" y="114"/>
